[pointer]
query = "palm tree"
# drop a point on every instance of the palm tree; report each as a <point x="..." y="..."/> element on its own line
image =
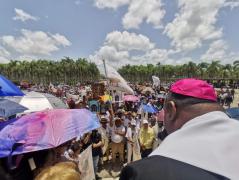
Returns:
<point x="202" y="67"/>
<point x="214" y="69"/>
<point x="191" y="69"/>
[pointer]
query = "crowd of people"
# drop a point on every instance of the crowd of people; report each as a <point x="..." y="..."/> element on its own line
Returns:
<point x="127" y="133"/>
<point x="133" y="130"/>
<point x="226" y="96"/>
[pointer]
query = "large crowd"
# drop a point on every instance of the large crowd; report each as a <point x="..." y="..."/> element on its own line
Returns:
<point x="130" y="130"/>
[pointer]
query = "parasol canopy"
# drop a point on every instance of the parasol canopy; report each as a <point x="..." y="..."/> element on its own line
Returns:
<point x="9" y="108"/>
<point x="131" y="98"/>
<point x="7" y="88"/>
<point x="36" y="101"/>
<point x="45" y="130"/>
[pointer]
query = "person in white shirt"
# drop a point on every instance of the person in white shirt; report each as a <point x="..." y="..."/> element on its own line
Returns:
<point x="104" y="130"/>
<point x="117" y="138"/>
<point x="133" y="148"/>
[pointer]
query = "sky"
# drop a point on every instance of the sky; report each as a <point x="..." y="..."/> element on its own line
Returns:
<point x="120" y="31"/>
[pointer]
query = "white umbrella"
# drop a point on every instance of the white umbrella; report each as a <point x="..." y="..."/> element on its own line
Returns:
<point x="35" y="101"/>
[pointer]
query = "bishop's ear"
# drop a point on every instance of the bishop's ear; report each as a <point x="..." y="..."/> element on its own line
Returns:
<point x="172" y="110"/>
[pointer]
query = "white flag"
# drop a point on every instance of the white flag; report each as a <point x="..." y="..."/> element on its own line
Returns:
<point x="85" y="164"/>
<point x="114" y="76"/>
<point x="156" y="81"/>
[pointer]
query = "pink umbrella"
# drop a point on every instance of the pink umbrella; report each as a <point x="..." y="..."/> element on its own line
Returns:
<point x="45" y="130"/>
<point x="131" y="98"/>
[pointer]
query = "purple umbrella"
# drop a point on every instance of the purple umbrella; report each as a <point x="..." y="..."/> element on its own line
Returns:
<point x="45" y="130"/>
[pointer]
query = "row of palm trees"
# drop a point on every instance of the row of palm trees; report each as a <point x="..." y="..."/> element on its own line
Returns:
<point x="203" y="70"/>
<point x="72" y="71"/>
<point x="66" y="70"/>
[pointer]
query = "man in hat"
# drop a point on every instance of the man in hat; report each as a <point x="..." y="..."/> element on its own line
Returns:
<point x="105" y="134"/>
<point x="117" y="138"/>
<point x="202" y="141"/>
<point x="146" y="139"/>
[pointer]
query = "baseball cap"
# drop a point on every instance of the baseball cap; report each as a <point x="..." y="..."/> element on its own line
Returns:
<point x="145" y="121"/>
<point x="194" y="88"/>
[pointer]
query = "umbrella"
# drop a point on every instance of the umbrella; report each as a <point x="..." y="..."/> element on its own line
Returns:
<point x="131" y="98"/>
<point x="36" y="101"/>
<point x="149" y="109"/>
<point x="45" y="130"/>
<point x="233" y="113"/>
<point x="7" y="88"/>
<point x="148" y="89"/>
<point x="10" y="108"/>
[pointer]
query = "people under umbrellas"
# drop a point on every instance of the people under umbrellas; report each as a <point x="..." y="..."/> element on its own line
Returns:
<point x="140" y="134"/>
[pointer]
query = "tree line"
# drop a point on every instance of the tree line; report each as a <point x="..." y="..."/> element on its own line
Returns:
<point x="70" y="71"/>
<point x="66" y="70"/>
<point x="214" y="70"/>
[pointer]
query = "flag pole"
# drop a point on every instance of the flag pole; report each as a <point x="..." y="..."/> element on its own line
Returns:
<point x="105" y="69"/>
<point x="107" y="80"/>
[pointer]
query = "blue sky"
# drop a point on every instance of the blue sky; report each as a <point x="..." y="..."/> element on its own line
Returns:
<point x="120" y="31"/>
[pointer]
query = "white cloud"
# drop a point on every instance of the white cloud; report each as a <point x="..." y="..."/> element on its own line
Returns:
<point x="232" y="4"/>
<point x="111" y="54"/>
<point x="35" y="43"/>
<point x="139" y="10"/>
<point x="153" y="56"/>
<point x="128" y="41"/>
<point x="118" y="47"/>
<point x="4" y="55"/>
<point x="150" y="11"/>
<point x="217" y="50"/>
<point x="194" y="23"/>
<point x="114" y="4"/>
<point x="23" y="16"/>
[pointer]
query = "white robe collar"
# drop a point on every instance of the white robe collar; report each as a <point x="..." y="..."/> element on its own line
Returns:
<point x="210" y="142"/>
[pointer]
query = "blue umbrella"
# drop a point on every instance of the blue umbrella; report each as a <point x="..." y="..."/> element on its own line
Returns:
<point x="7" y="88"/>
<point x="10" y="108"/>
<point x="233" y="113"/>
<point x="149" y="109"/>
